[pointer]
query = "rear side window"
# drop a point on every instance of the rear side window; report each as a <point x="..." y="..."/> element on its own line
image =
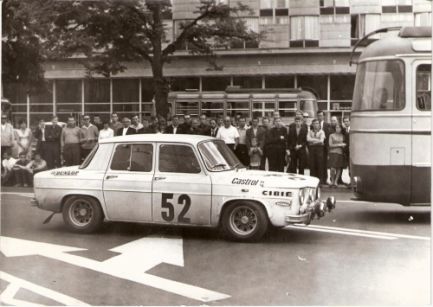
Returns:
<point x="423" y="90"/>
<point x="133" y="157"/>
<point x="178" y="159"/>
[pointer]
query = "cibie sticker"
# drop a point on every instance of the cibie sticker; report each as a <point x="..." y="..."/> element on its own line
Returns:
<point x="64" y="173"/>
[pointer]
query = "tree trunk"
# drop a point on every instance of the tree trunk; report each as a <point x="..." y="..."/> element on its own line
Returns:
<point x="159" y="82"/>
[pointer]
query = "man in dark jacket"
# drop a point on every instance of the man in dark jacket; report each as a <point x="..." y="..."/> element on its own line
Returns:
<point x="49" y="142"/>
<point x="126" y="129"/>
<point x="213" y="128"/>
<point x="276" y="144"/>
<point x="297" y="143"/>
<point x="326" y="127"/>
<point x="255" y="141"/>
<point x="174" y="128"/>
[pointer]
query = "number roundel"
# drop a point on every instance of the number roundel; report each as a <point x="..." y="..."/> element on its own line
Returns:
<point x="168" y="215"/>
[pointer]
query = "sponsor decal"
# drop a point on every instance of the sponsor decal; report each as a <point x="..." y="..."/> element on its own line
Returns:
<point x="277" y="193"/>
<point x="64" y="173"/>
<point x="245" y="181"/>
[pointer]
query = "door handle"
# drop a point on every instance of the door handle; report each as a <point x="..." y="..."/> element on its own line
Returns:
<point x="111" y="177"/>
<point x="158" y="178"/>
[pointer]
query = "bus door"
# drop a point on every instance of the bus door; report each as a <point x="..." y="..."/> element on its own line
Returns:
<point x="421" y="134"/>
<point x="238" y="104"/>
<point x="287" y="106"/>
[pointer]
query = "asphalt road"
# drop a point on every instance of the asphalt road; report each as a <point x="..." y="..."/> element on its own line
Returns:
<point x="362" y="253"/>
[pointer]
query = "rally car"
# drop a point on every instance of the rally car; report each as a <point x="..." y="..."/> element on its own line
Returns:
<point x="177" y="180"/>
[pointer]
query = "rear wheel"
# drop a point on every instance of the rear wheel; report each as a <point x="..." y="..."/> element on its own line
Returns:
<point x="82" y="214"/>
<point x="244" y="221"/>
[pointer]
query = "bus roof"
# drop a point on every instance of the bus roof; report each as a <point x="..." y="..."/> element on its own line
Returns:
<point x="411" y="40"/>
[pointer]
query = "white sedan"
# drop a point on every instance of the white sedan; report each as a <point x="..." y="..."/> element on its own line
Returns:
<point x="178" y="180"/>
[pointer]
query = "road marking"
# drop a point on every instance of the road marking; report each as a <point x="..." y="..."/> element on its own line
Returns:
<point x="309" y="228"/>
<point x="31" y="195"/>
<point x="359" y="232"/>
<point x="15" y="283"/>
<point x="391" y="234"/>
<point x="153" y="248"/>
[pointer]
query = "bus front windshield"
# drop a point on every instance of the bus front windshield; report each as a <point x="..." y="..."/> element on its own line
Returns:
<point x="379" y="85"/>
<point x="218" y="156"/>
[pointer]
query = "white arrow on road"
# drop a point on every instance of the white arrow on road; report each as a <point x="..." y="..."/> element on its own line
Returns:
<point x="136" y="257"/>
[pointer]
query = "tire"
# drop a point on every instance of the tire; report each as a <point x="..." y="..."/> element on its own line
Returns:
<point x="244" y="221"/>
<point x="82" y="214"/>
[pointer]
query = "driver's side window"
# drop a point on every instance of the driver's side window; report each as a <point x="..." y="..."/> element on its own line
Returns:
<point x="178" y="159"/>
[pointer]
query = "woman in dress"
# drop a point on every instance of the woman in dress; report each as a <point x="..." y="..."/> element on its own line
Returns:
<point x="24" y="137"/>
<point x="336" y="160"/>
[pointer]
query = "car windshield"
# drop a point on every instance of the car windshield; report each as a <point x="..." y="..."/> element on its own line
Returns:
<point x="218" y="157"/>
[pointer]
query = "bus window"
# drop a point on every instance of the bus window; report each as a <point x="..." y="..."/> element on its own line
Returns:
<point x="379" y="86"/>
<point x="184" y="107"/>
<point x="423" y="90"/>
<point x="308" y="106"/>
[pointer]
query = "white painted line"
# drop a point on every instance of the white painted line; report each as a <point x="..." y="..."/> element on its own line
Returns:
<point x="309" y="228"/>
<point x="15" y="283"/>
<point x="396" y="235"/>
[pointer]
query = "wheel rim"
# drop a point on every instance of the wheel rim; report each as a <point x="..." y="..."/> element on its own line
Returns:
<point x="81" y="213"/>
<point x="243" y="220"/>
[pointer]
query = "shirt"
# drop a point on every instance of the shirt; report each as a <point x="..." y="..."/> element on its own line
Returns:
<point x="139" y="126"/>
<point x="125" y="130"/>
<point x="70" y="135"/>
<point x="242" y="135"/>
<point x="89" y="136"/>
<point x="43" y="134"/>
<point x="7" y="135"/>
<point x="38" y="166"/>
<point x="8" y="164"/>
<point x="316" y="138"/>
<point x="228" y="135"/>
<point x="106" y="133"/>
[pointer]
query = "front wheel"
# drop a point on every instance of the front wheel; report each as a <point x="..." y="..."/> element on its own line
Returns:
<point x="82" y="214"/>
<point x="244" y="221"/>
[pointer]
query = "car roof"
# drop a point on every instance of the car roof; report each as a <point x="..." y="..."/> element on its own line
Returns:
<point x="158" y="137"/>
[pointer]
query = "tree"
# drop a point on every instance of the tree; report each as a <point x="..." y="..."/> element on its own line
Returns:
<point x="22" y="43"/>
<point x="111" y="32"/>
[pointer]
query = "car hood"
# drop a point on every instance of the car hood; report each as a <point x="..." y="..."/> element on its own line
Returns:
<point x="263" y="179"/>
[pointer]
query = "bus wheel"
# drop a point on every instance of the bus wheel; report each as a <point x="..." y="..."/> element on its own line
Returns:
<point x="244" y="221"/>
<point x="82" y="214"/>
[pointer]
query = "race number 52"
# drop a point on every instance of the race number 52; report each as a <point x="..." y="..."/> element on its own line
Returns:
<point x="168" y="215"/>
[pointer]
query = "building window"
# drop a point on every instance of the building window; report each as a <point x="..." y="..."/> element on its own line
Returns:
<point x="397" y="6"/>
<point x="147" y="90"/>
<point x="248" y="82"/>
<point x="274" y="12"/>
<point x="97" y="90"/>
<point x="363" y="24"/>
<point x="333" y="7"/>
<point x="316" y="84"/>
<point x="68" y="91"/>
<point x="304" y="31"/>
<point x="215" y="83"/>
<point x="279" y="81"/>
<point x="251" y="24"/>
<point x="184" y="83"/>
<point x="423" y="19"/>
<point x="125" y="96"/>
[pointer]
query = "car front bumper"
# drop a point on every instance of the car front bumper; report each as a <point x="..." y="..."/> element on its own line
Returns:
<point x="317" y="209"/>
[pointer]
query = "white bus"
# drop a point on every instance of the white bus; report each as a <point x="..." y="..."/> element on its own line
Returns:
<point x="390" y="132"/>
<point x="248" y="103"/>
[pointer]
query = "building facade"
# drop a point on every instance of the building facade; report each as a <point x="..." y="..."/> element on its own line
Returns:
<point x="307" y="44"/>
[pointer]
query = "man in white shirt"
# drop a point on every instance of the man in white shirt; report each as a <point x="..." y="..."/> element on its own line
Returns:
<point x="241" y="148"/>
<point x="106" y="132"/>
<point x="7" y="166"/>
<point x="228" y="134"/>
<point x="7" y="135"/>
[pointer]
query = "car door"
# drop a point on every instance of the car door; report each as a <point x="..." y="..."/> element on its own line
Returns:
<point x="181" y="188"/>
<point x="128" y="182"/>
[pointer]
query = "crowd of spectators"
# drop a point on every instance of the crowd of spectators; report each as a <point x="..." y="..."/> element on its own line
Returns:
<point x="265" y="143"/>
